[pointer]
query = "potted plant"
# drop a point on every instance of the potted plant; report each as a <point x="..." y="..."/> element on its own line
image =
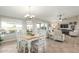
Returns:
<point x="0" y="40"/>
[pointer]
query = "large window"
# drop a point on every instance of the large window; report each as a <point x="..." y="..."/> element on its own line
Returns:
<point x="29" y="25"/>
<point x="38" y="26"/>
<point x="41" y="26"/>
<point x="10" y="27"/>
<point x="18" y="27"/>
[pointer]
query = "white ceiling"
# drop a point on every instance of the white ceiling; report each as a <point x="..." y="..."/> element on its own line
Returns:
<point x="47" y="13"/>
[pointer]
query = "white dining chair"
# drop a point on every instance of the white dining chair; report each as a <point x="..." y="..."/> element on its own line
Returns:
<point x="40" y="45"/>
<point x="21" y="44"/>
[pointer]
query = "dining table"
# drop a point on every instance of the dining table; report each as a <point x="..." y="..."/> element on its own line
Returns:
<point x="29" y="39"/>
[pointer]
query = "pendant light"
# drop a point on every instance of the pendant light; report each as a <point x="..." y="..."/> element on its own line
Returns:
<point x="29" y="14"/>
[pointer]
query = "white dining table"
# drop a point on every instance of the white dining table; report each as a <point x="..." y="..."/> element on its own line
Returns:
<point x="29" y="39"/>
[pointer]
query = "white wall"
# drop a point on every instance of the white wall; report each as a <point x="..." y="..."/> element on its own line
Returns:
<point x="71" y="19"/>
<point x="0" y="22"/>
<point x="10" y="20"/>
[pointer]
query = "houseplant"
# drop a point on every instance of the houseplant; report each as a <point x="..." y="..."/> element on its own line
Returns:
<point x="0" y="40"/>
<point x="30" y="33"/>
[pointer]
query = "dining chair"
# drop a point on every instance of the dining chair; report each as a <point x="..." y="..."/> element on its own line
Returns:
<point x="21" y="44"/>
<point x="39" y="46"/>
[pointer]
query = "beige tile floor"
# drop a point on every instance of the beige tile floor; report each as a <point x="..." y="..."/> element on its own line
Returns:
<point x="70" y="45"/>
<point x="8" y="47"/>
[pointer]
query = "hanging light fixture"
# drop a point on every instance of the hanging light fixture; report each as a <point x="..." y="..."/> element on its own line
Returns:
<point x="29" y="14"/>
<point x="60" y="17"/>
<point x="59" y="14"/>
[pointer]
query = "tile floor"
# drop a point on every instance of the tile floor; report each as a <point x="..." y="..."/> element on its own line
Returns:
<point x="70" y="45"/>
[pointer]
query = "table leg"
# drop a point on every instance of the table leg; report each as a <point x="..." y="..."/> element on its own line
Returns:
<point x="29" y="46"/>
<point x="45" y="46"/>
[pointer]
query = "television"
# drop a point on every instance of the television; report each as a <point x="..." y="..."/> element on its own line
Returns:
<point x="64" y="26"/>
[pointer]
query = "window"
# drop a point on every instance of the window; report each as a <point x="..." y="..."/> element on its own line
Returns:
<point x="29" y="25"/>
<point x="18" y="27"/>
<point x="38" y="26"/>
<point x="10" y="27"/>
<point x="43" y="26"/>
